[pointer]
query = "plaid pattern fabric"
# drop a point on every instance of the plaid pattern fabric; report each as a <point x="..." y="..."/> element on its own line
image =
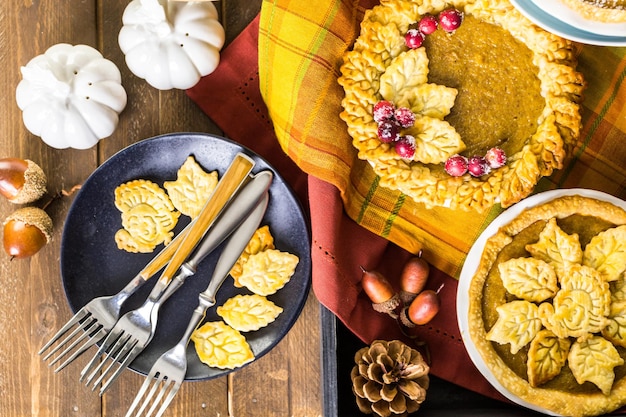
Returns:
<point x="301" y="44"/>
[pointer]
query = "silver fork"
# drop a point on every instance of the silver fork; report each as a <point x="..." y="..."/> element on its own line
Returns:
<point x="93" y="321"/>
<point x="168" y="372"/>
<point x="134" y="330"/>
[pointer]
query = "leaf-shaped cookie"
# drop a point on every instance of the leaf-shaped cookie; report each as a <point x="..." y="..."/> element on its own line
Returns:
<point x="615" y="331"/>
<point x="407" y="70"/>
<point x="268" y="271"/>
<point x="430" y="100"/>
<point x="248" y="312"/>
<point x="192" y="188"/>
<point x="260" y="241"/>
<point x="518" y="323"/>
<point x="435" y="140"/>
<point x="593" y="360"/>
<point x="529" y="278"/>
<point x="581" y="306"/>
<point x="606" y="252"/>
<point x="618" y="289"/>
<point x="546" y="356"/>
<point x="219" y="345"/>
<point x="556" y="247"/>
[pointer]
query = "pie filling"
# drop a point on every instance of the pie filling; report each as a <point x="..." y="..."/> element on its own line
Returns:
<point x="499" y="94"/>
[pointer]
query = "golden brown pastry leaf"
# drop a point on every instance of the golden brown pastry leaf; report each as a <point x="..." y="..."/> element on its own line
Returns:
<point x="248" y="312"/>
<point x="518" y="323"/>
<point x="546" y="356"/>
<point x="556" y="247"/>
<point x="430" y="100"/>
<point x="192" y="188"/>
<point x="615" y="331"/>
<point x="528" y="278"/>
<point x="268" y="271"/>
<point x="260" y="241"/>
<point x="435" y="140"/>
<point x="407" y="70"/>
<point x="606" y="252"/>
<point x="593" y="360"/>
<point x="220" y="346"/>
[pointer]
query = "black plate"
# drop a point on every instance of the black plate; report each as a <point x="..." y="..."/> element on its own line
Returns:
<point x="92" y="265"/>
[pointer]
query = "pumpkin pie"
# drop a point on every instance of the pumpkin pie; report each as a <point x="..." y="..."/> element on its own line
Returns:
<point x="497" y="81"/>
<point x="546" y="306"/>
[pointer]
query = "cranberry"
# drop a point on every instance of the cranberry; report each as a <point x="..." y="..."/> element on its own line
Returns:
<point x="478" y="166"/>
<point x="456" y="165"/>
<point x="383" y="110"/>
<point x="405" y="117"/>
<point x="405" y="146"/>
<point x="414" y="38"/>
<point x="495" y="157"/>
<point x="388" y="131"/>
<point x="428" y="24"/>
<point x="450" y="20"/>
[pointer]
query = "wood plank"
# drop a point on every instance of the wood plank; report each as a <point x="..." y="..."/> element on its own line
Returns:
<point x="32" y="303"/>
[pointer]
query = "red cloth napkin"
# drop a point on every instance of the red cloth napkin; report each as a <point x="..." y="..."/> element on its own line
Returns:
<point x="230" y="97"/>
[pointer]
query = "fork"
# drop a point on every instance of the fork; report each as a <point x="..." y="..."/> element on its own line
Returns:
<point x="92" y="322"/>
<point x="134" y="330"/>
<point x="168" y="372"/>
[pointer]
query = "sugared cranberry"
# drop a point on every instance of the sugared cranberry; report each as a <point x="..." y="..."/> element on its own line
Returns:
<point x="478" y="166"/>
<point x="495" y="157"/>
<point x="414" y="38"/>
<point x="427" y="24"/>
<point x="388" y="131"/>
<point x="450" y="19"/>
<point x="405" y="146"/>
<point x="383" y="110"/>
<point x="405" y="117"/>
<point x="456" y="165"/>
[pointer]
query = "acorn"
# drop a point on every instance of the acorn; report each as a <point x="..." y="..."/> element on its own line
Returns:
<point x="380" y="292"/>
<point x="26" y="231"/>
<point x="413" y="278"/>
<point x="422" y="309"/>
<point x="21" y="180"/>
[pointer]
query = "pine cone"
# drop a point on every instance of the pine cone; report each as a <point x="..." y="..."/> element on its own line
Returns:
<point x="389" y="379"/>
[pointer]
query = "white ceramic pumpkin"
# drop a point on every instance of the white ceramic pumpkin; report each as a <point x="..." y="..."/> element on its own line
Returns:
<point x="71" y="96"/>
<point x="172" y="49"/>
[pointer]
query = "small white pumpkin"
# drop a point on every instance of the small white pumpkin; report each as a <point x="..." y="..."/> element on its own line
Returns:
<point x="71" y="96"/>
<point x="173" y="49"/>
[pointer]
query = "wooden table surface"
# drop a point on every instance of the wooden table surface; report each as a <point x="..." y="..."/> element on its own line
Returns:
<point x="285" y="382"/>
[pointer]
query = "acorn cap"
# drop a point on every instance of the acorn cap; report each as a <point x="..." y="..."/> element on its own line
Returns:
<point x="34" y="184"/>
<point x="33" y="216"/>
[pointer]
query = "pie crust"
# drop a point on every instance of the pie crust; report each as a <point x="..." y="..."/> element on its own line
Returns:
<point x="604" y="391"/>
<point x="608" y="11"/>
<point x="381" y="40"/>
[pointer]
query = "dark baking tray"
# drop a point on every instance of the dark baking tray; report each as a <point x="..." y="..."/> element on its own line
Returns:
<point x="443" y="400"/>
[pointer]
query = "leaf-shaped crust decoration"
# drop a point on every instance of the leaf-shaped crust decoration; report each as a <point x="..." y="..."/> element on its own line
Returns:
<point x="407" y="70"/>
<point x="192" y="188"/>
<point x="435" y="140"/>
<point x="432" y="100"/>
<point x="220" y="346"/>
<point x="261" y="240"/>
<point x="556" y="247"/>
<point x="248" y="313"/>
<point x="518" y="323"/>
<point x="546" y="356"/>
<point x="268" y="271"/>
<point x="606" y="252"/>
<point x="615" y="331"/>
<point x="529" y="278"/>
<point x="593" y="360"/>
<point x="580" y="307"/>
<point x="618" y="289"/>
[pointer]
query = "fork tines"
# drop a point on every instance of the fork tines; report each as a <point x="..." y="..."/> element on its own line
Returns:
<point x="157" y="389"/>
<point x="80" y="333"/>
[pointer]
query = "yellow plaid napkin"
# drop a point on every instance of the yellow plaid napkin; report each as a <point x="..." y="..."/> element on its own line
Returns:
<point x="301" y="43"/>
